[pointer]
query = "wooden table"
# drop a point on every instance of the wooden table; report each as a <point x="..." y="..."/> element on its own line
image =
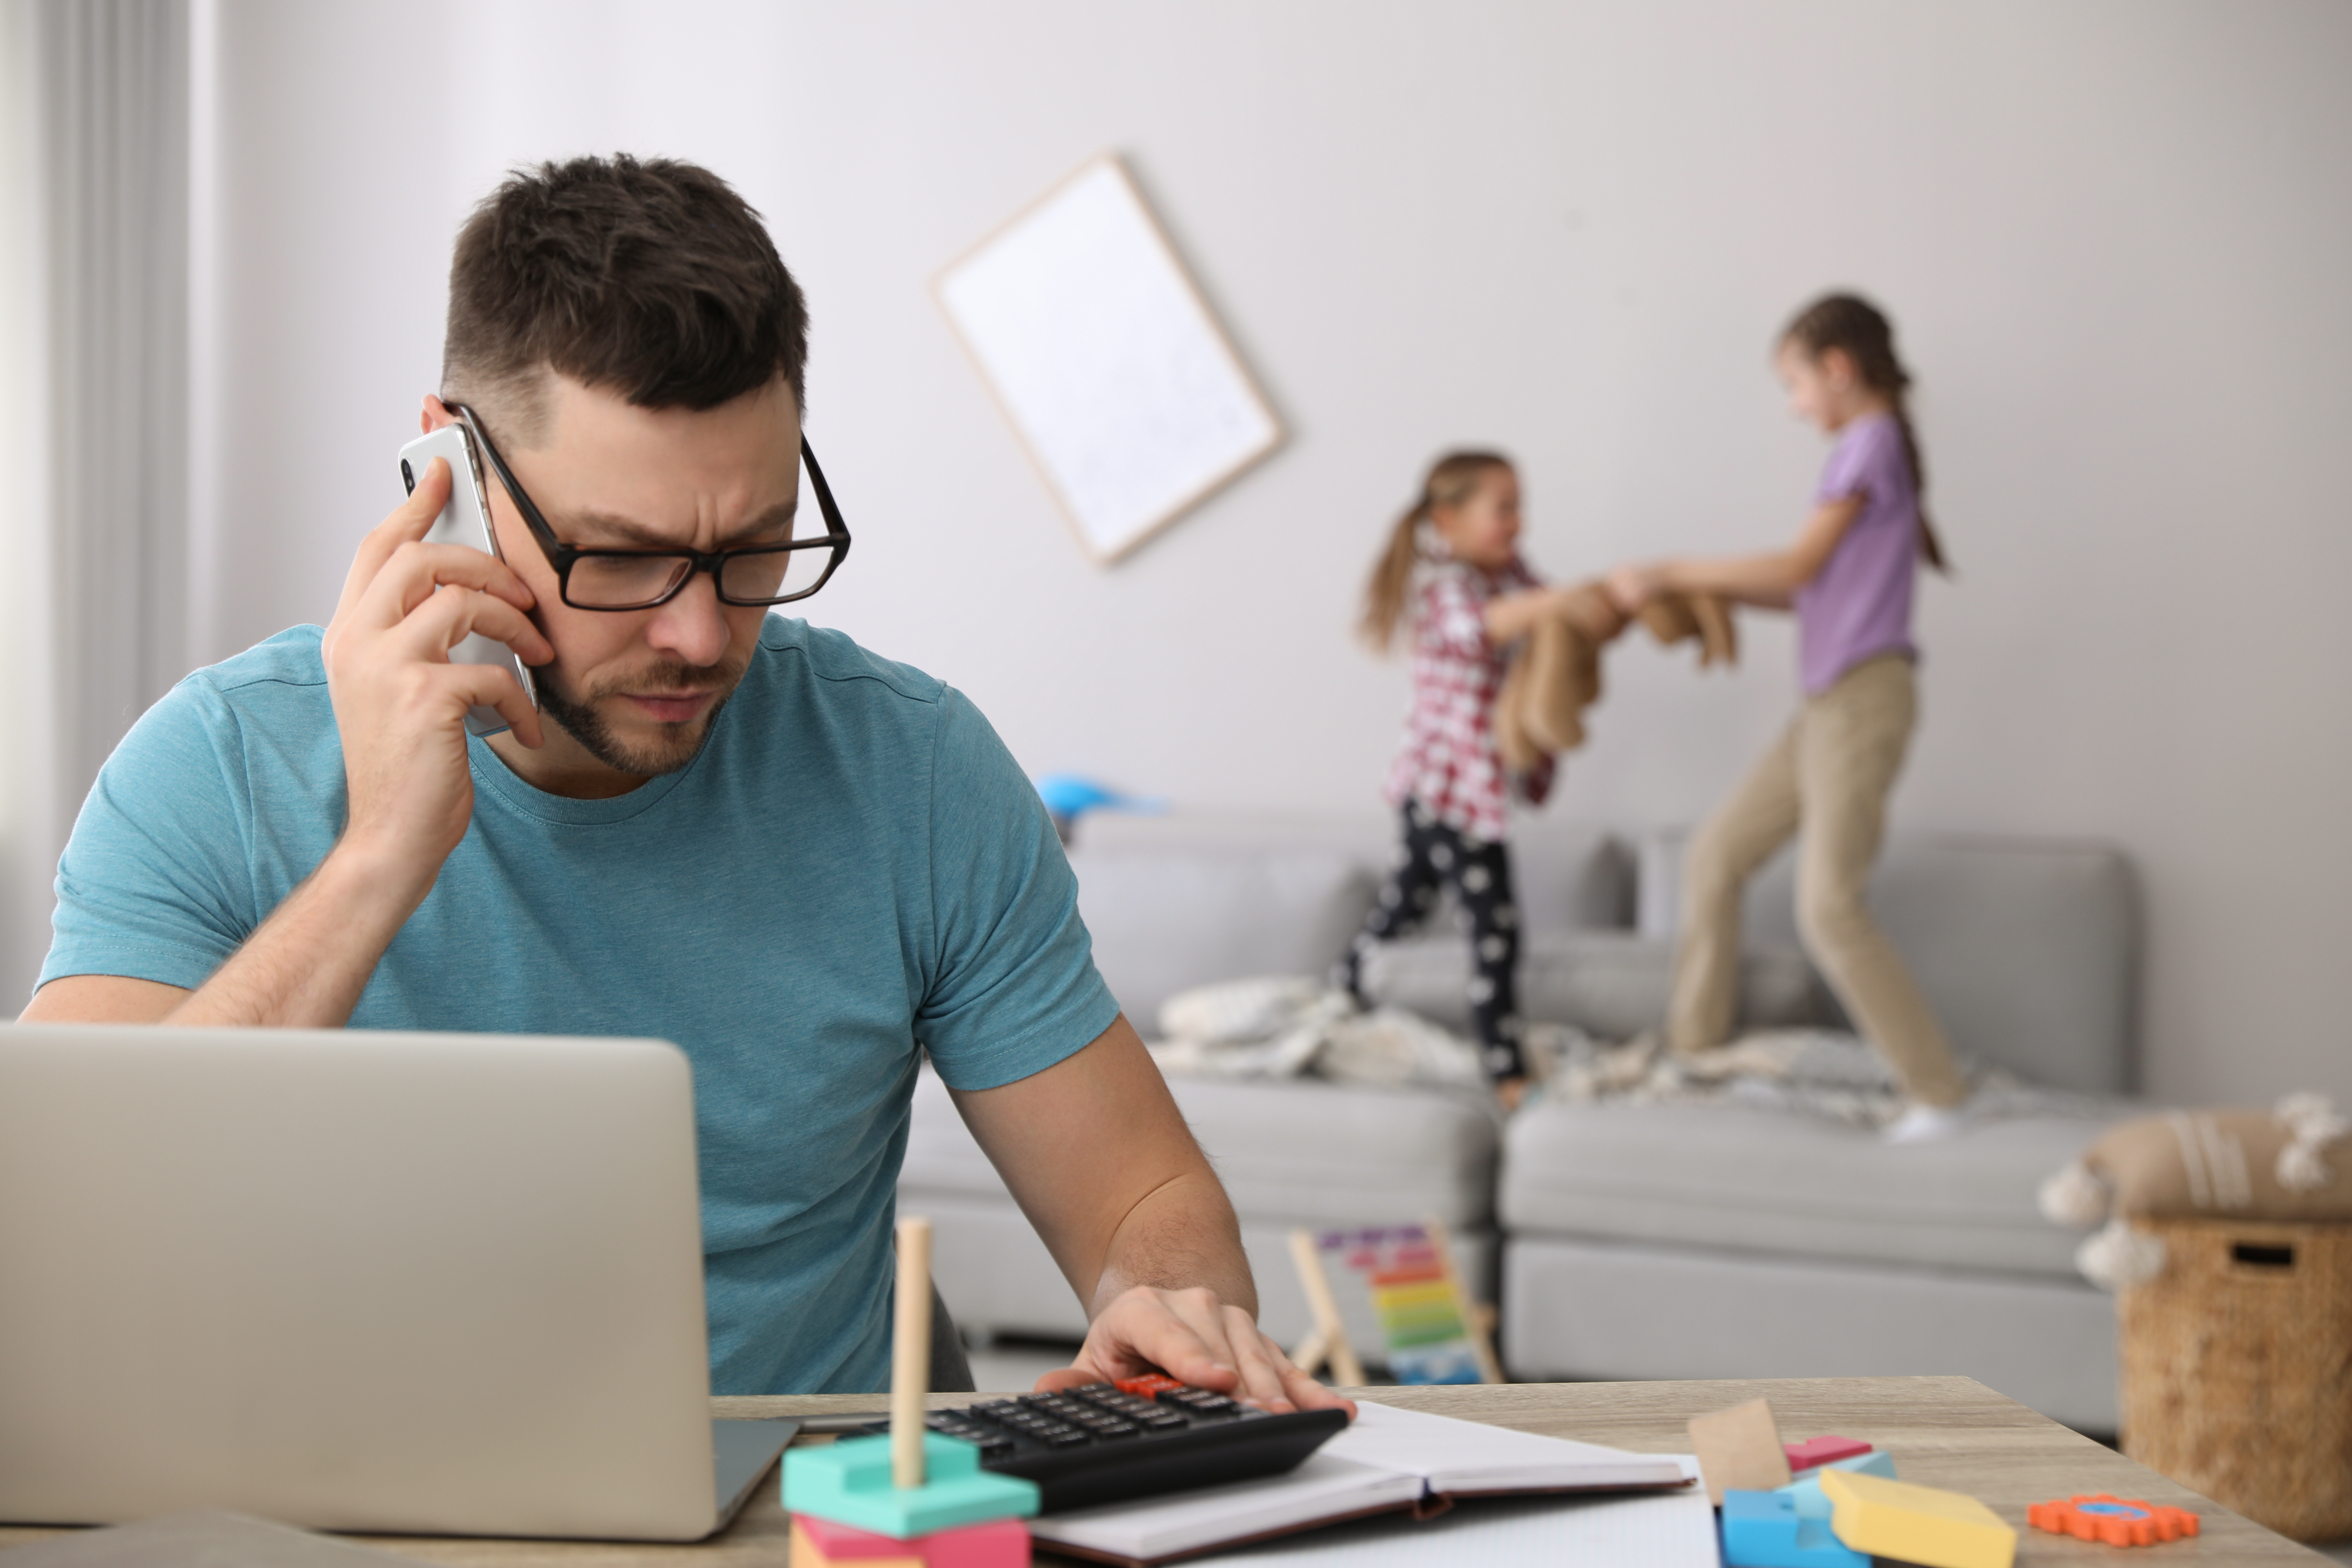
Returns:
<point x="1943" y="1431"/>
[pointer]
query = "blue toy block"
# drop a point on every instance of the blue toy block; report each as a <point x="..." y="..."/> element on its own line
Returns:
<point x="1807" y="1489"/>
<point x="1762" y="1529"/>
<point x="848" y="1482"/>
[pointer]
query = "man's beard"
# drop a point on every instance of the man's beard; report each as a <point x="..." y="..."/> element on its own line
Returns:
<point x="584" y="721"/>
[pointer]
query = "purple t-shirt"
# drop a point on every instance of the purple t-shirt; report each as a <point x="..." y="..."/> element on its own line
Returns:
<point x="1860" y="604"/>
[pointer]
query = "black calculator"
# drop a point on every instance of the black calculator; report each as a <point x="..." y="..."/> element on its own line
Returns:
<point x="1109" y="1442"/>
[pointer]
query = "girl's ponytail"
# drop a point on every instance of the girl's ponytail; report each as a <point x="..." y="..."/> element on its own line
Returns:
<point x="1451" y="481"/>
<point x="1392" y="579"/>
<point x="1929" y="545"/>
<point x="1860" y="330"/>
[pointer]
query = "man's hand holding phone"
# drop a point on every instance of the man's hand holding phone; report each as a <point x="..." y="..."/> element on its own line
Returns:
<point x="400" y="708"/>
<point x="401" y="704"/>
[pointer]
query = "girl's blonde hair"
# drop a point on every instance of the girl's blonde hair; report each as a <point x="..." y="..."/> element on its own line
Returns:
<point x="1452" y="481"/>
<point x="1860" y="330"/>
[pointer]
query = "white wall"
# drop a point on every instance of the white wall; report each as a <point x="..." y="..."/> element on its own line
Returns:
<point x="2116" y="237"/>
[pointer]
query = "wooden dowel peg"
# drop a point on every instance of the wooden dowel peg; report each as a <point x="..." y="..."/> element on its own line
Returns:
<point x="910" y="1353"/>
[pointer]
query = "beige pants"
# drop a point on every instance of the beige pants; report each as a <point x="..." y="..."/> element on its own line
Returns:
<point x="1825" y="780"/>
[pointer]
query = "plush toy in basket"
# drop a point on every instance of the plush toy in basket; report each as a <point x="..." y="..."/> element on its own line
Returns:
<point x="2229" y="1244"/>
<point x="2185" y="1164"/>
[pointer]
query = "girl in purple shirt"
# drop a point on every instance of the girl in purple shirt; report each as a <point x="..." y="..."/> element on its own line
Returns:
<point x="1825" y="780"/>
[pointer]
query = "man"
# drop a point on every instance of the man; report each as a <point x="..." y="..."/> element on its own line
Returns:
<point x="802" y="863"/>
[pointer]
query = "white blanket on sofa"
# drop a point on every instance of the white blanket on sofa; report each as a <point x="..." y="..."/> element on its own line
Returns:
<point x="1292" y="1027"/>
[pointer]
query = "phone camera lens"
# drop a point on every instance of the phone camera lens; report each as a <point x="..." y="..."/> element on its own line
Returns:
<point x="406" y="477"/>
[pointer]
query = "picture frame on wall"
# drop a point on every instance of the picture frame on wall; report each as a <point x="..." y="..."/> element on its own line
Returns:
<point x="1100" y="350"/>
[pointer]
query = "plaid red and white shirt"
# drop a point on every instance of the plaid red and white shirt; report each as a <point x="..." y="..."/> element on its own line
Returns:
<point x="1449" y="761"/>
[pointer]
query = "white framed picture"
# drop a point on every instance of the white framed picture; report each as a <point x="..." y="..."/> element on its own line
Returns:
<point x="1106" y="359"/>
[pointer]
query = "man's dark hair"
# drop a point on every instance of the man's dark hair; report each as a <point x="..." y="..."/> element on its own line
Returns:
<point x="650" y="278"/>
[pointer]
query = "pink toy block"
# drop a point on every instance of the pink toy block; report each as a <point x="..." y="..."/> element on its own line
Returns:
<point x="1815" y="1451"/>
<point x="822" y="1544"/>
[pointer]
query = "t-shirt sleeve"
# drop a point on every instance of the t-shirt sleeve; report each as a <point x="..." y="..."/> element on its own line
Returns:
<point x="1858" y="464"/>
<point x="154" y="882"/>
<point x="1012" y="988"/>
<point x="1450" y="617"/>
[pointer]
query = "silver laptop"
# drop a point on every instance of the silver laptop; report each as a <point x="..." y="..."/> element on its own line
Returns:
<point x="421" y="1284"/>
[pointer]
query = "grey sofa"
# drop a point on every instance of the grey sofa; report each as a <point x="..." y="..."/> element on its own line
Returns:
<point x="1658" y="1241"/>
<point x="1180" y="901"/>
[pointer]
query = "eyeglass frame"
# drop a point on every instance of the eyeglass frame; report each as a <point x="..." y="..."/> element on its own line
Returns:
<point x="561" y="556"/>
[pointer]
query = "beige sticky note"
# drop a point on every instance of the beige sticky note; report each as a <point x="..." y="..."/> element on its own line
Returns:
<point x="1739" y="1449"/>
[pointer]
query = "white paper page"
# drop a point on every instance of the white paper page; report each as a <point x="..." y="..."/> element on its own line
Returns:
<point x="1469" y="1456"/>
<point x="1105" y="358"/>
<point x="1320" y="1487"/>
<point x="1666" y="1529"/>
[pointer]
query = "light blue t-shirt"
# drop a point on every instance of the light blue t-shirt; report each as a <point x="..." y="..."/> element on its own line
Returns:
<point x="853" y="867"/>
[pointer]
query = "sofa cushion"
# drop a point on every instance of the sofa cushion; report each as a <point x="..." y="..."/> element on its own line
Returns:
<point x="1329" y="1153"/>
<point x="1564" y="878"/>
<point x="1610" y="983"/>
<point x="1577" y="1309"/>
<point x="1569" y="876"/>
<point x="2026" y="949"/>
<point x="1762" y="1180"/>
<point x="1305" y="1152"/>
<point x="1166" y="920"/>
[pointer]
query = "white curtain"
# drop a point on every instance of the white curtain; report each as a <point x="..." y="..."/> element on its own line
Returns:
<point x="94" y="169"/>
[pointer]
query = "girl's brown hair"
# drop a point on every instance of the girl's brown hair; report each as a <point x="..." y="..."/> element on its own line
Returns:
<point x="1452" y="481"/>
<point x="1860" y="330"/>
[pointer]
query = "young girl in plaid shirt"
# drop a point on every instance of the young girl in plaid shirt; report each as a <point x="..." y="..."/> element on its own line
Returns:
<point x="1451" y="574"/>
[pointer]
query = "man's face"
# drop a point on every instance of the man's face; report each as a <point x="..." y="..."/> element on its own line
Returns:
<point x="636" y="690"/>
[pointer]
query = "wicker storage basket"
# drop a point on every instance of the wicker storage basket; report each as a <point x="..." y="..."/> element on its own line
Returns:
<point x="2237" y="1368"/>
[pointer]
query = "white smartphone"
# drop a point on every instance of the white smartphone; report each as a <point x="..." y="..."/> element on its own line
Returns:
<point x="465" y="520"/>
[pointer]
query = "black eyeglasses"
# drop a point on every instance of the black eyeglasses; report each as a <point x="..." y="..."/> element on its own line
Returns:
<point x="640" y="579"/>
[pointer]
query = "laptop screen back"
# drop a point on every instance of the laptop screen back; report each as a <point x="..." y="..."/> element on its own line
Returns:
<point x="352" y="1279"/>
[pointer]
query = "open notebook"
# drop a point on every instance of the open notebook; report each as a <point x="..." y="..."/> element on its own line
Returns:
<point x="1389" y="1460"/>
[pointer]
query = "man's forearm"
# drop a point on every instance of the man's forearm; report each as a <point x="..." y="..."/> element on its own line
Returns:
<point x="308" y="963"/>
<point x="1180" y="1235"/>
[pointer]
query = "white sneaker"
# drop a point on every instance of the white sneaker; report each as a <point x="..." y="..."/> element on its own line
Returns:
<point x="1927" y="1125"/>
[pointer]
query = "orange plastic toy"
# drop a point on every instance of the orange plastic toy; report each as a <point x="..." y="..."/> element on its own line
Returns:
<point x="2118" y="1521"/>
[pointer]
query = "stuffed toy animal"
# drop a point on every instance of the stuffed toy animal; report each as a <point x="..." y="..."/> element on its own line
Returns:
<point x="1555" y="675"/>
<point x="1672" y="617"/>
<point x="2242" y="1164"/>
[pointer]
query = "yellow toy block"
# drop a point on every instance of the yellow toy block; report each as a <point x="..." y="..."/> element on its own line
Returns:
<point x="1915" y="1524"/>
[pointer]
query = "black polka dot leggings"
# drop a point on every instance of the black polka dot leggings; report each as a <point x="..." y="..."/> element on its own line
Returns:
<point x="1434" y="854"/>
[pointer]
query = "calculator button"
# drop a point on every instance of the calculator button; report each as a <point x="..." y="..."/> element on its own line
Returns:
<point x="1199" y="1401"/>
<point x="1148" y="1385"/>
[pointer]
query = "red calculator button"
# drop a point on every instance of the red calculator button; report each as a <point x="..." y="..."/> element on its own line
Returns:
<point x="1146" y="1386"/>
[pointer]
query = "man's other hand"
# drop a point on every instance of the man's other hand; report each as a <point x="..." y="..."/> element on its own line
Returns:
<point x="1193" y="1338"/>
